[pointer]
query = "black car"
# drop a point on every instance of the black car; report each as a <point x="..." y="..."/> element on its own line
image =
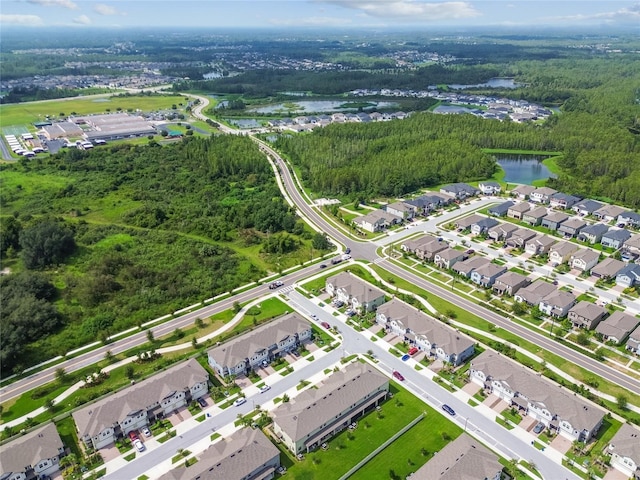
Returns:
<point x="202" y="402"/>
<point x="347" y="251"/>
<point x="448" y="409"/>
<point x="322" y="265"/>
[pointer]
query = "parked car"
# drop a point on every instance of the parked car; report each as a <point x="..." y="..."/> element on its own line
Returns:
<point x="448" y="409"/>
<point x="325" y="325"/>
<point x="413" y="350"/>
<point x="239" y="401"/>
<point x="202" y="402"/>
<point x="346" y="256"/>
<point x="470" y="251"/>
<point x="139" y="445"/>
<point x="406" y="357"/>
<point x="145" y="431"/>
<point x="539" y="427"/>
<point x="398" y="375"/>
<point x="264" y="388"/>
<point x="133" y="436"/>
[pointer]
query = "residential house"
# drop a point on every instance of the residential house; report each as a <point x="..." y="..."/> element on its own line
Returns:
<point x="586" y="207"/>
<point x="539" y="245"/>
<point x="483" y="226"/>
<point x="465" y="223"/>
<point x="520" y="237"/>
<point x="593" y="233"/>
<point x="376" y="221"/>
<point x="489" y="188"/>
<point x="542" y="195"/>
<point x="608" y="213"/>
<point x="608" y="268"/>
<point x="501" y="209"/>
<point x="617" y="327"/>
<point x="561" y="252"/>
<point x="523" y="191"/>
<point x="448" y="258"/>
<point x="559" y="409"/>
<point x="633" y="343"/>
<point x="629" y="276"/>
<point x="534" y="293"/>
<point x="510" y="283"/>
<point x="249" y="351"/>
<point x="317" y="414"/>
<point x="629" y="219"/>
<point x="466" y="267"/>
<point x="424" y="332"/>
<point x="572" y="227"/>
<point x="633" y="244"/>
<point x="584" y="259"/>
<point x="33" y="455"/>
<point x="624" y="448"/>
<point x="247" y="454"/>
<point x="586" y="315"/>
<point x="464" y="458"/>
<point x="429" y="202"/>
<point x="534" y="217"/>
<point x="428" y="250"/>
<point x="402" y="210"/>
<point x="553" y="220"/>
<point x="459" y="190"/>
<point x="518" y="210"/>
<point x="502" y="231"/>
<point x="615" y="238"/>
<point x="557" y="304"/>
<point x="562" y="200"/>
<point x="354" y="291"/>
<point x="487" y="274"/>
<point x="101" y="423"/>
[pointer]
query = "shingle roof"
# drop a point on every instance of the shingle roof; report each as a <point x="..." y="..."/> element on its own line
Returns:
<point x="588" y="205"/>
<point x="521" y="207"/>
<point x="523" y="189"/>
<point x="587" y="310"/>
<point x="466" y="222"/>
<point x="609" y="210"/>
<point x="564" y="248"/>
<point x="356" y="287"/>
<point x="502" y="208"/>
<point x="536" y="291"/>
<point x="617" y="234"/>
<point x="595" y="229"/>
<point x="559" y="299"/>
<point x="556" y="217"/>
<point x="450" y="254"/>
<point x="536" y="212"/>
<point x="626" y="442"/>
<point x="29" y="449"/>
<point x="511" y="279"/>
<point x="585" y="254"/>
<point x="470" y="264"/>
<point x="542" y="240"/>
<point x="609" y="267"/>
<point x="490" y="269"/>
<point x="573" y="223"/>
<point x="618" y="325"/>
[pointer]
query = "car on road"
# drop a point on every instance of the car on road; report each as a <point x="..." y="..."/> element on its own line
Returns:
<point x="145" y="431"/>
<point x="539" y="427"/>
<point x="346" y="256"/>
<point x="202" y="402"/>
<point x="322" y="265"/>
<point x="139" y="445"/>
<point x="347" y="251"/>
<point x="413" y="350"/>
<point x="406" y="357"/>
<point x="264" y="388"/>
<point x="449" y="410"/>
<point x="326" y="325"/>
<point x="470" y="251"/>
<point x="239" y="401"/>
<point x="398" y="375"/>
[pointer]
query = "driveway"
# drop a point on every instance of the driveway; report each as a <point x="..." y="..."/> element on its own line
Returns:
<point x="528" y="423"/>
<point x="109" y="452"/>
<point x="496" y="404"/>
<point x="561" y="444"/>
<point x="614" y="474"/>
<point x="471" y="388"/>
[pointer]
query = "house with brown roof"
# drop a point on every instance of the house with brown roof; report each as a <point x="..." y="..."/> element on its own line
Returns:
<point x="520" y="237"/>
<point x="354" y="291"/>
<point x="487" y="274"/>
<point x="624" y="448"/>
<point x="317" y="414"/>
<point x="518" y="210"/>
<point x="553" y="220"/>
<point x="633" y="244"/>
<point x="586" y="315"/>
<point x="542" y="195"/>
<point x="244" y="353"/>
<point x="561" y="252"/>
<point x="502" y="232"/>
<point x="448" y="258"/>
<point x="424" y="332"/>
<point x="245" y="455"/>
<point x="584" y="259"/>
<point x="532" y="294"/>
<point x="557" y="304"/>
<point x="539" y="245"/>
<point x="376" y="221"/>
<point x="402" y="210"/>
<point x="534" y="217"/>
<point x="467" y="266"/>
<point x="101" y="423"/>
<point x="428" y="250"/>
<point x="617" y="327"/>
<point x="465" y="223"/>
<point x="608" y="268"/>
<point x="510" y="283"/>
<point x="523" y="191"/>
<point x="633" y="342"/>
<point x="608" y="213"/>
<point x="33" y="455"/>
<point x="572" y="227"/>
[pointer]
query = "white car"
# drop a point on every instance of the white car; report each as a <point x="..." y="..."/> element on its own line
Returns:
<point x="239" y="401"/>
<point x="264" y="388"/>
<point x="139" y="445"/>
<point x="145" y="431"/>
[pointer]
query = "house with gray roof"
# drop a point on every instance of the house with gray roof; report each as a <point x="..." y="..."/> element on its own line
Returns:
<point x="376" y="221"/>
<point x="624" y="448"/>
<point x="633" y="244"/>
<point x="489" y="187"/>
<point x="534" y="293"/>
<point x="561" y="252"/>
<point x="402" y="210"/>
<point x="501" y="209"/>
<point x="487" y="274"/>
<point x="459" y="190"/>
<point x="539" y="245"/>
<point x="633" y="342"/>
<point x="562" y="200"/>
<point x="586" y="207"/>
<point x="315" y="415"/>
<point x="502" y="231"/>
<point x="629" y="276"/>
<point x="466" y="222"/>
<point x="425" y="248"/>
<point x="424" y="332"/>
<point x="542" y="195"/>
<point x="584" y="259"/>
<point x="553" y="220"/>
<point x="482" y="226"/>
<point x="586" y="315"/>
<point x="559" y="409"/>
<point x="617" y="327"/>
<point x="615" y="238"/>
<point x="572" y="227"/>
<point x="520" y="237"/>
<point x="462" y="459"/>
<point x="101" y="423"/>
<point x="245" y="455"/>
<point x="448" y="258"/>
<point x="629" y="219"/>
<point x="518" y="210"/>
<point x="33" y="455"/>
<point x="608" y="213"/>
<point x="352" y="290"/>
<point x="510" y="283"/>
<point x="534" y="217"/>
<point x="427" y="203"/>
<point x="593" y="233"/>
<point x="248" y="351"/>
<point x="523" y="191"/>
<point x="557" y="304"/>
<point x="608" y="268"/>
<point x="466" y="267"/>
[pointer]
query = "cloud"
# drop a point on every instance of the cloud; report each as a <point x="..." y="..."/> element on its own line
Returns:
<point x="311" y="22"/>
<point x="625" y="14"/>
<point x="55" y="3"/>
<point x="82" y="20"/>
<point x="24" y="20"/>
<point x="410" y="10"/>
<point x="102" y="9"/>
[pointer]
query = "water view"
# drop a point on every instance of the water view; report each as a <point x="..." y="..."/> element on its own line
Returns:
<point x="451" y="109"/>
<point x="492" y="83"/>
<point x="523" y="168"/>
<point x="316" y="106"/>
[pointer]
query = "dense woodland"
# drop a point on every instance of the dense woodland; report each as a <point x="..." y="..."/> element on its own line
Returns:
<point x="129" y="233"/>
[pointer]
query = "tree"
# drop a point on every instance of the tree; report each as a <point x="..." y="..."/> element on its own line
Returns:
<point x="150" y="336"/>
<point x="236" y="307"/>
<point x="199" y="323"/>
<point x="622" y="401"/>
<point x="108" y="356"/>
<point x="518" y="308"/>
<point x="49" y="404"/>
<point x="45" y="243"/>
<point x="194" y="342"/>
<point x="61" y="375"/>
<point x="129" y="372"/>
<point x="321" y="241"/>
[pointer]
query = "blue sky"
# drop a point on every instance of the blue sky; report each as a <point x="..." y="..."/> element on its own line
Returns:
<point x="343" y="14"/>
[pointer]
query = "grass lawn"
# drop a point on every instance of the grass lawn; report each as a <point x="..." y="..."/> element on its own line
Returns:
<point x="67" y="431"/>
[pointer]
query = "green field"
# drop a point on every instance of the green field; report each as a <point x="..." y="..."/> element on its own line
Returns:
<point x="26" y="113"/>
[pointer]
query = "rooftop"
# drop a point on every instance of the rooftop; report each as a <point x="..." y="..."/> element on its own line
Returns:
<point x="356" y="287"/>
<point x="29" y="449"/>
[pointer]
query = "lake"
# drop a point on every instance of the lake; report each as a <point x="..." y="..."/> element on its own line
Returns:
<point x="316" y="106"/>
<point x="451" y="109"/>
<point x="523" y="168"/>
<point x="491" y="83"/>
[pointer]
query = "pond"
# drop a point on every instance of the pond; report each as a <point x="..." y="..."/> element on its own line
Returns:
<point x="451" y="109"/>
<point x="523" y="169"/>
<point x="491" y="83"/>
<point x="316" y="106"/>
<point x="244" y="122"/>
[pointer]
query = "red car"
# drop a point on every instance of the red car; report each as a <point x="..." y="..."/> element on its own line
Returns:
<point x="413" y="351"/>
<point x="325" y="325"/>
<point x="398" y="375"/>
<point x="133" y="436"/>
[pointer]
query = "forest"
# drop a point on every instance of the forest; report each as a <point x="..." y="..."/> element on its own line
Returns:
<point x="123" y="234"/>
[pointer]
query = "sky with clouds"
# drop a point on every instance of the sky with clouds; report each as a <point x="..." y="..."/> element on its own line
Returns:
<point x="343" y="14"/>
